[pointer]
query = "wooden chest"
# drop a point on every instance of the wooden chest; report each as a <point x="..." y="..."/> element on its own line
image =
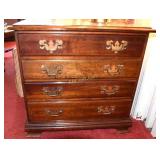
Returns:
<point x="78" y="76"/>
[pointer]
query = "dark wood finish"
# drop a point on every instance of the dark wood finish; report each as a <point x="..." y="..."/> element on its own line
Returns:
<point x="74" y="110"/>
<point x="79" y="69"/>
<point x="120" y="124"/>
<point x="79" y="84"/>
<point x="82" y="29"/>
<point x="81" y="44"/>
<point x="87" y="89"/>
<point x="9" y="35"/>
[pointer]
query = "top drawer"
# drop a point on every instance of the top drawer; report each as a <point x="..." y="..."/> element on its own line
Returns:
<point x="125" y="45"/>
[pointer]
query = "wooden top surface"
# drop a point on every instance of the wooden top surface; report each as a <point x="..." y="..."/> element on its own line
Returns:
<point x="84" y="25"/>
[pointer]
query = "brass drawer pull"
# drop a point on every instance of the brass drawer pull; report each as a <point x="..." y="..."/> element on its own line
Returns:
<point x="52" y="92"/>
<point x="55" y="112"/>
<point x="113" y="69"/>
<point x="51" y="45"/>
<point x="106" y="109"/>
<point x="109" y="90"/>
<point x="117" y="46"/>
<point x="52" y="70"/>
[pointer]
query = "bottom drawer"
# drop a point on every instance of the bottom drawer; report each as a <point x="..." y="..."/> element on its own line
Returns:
<point x="76" y="110"/>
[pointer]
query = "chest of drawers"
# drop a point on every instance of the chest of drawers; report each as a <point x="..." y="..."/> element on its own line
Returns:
<point x="79" y="76"/>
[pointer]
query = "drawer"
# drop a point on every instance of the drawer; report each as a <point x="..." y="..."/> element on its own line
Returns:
<point x="76" y="110"/>
<point x="41" y="70"/>
<point x="86" y="89"/>
<point x="127" y="45"/>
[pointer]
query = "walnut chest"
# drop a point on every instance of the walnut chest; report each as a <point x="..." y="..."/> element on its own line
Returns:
<point x="78" y="74"/>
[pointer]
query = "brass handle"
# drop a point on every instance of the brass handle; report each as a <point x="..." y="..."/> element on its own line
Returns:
<point x="113" y="69"/>
<point x="116" y="46"/>
<point x="51" y="45"/>
<point x="109" y="90"/>
<point x="52" y="70"/>
<point x="55" y="112"/>
<point x="106" y="109"/>
<point x="52" y="92"/>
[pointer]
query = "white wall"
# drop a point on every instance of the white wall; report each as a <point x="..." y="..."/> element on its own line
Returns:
<point x="146" y="96"/>
<point x="146" y="83"/>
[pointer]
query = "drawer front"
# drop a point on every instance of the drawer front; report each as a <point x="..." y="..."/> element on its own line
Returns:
<point x="75" y="110"/>
<point x="81" y="44"/>
<point x="87" y="89"/>
<point x="41" y="70"/>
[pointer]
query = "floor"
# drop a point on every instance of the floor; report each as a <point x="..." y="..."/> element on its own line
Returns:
<point x="14" y="115"/>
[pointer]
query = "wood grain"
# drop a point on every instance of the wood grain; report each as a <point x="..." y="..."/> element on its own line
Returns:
<point x="81" y="44"/>
<point x="78" y="69"/>
<point x="85" y="89"/>
<point x="73" y="110"/>
<point x="67" y="89"/>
